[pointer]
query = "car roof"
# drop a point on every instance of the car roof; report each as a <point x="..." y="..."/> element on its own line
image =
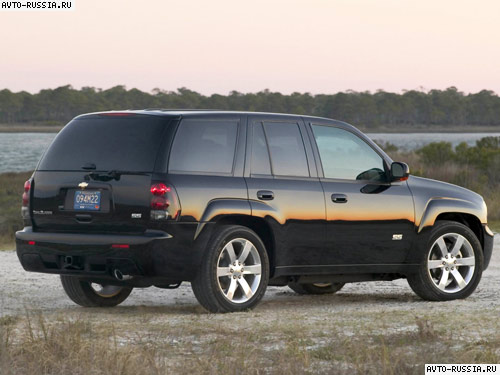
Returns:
<point x="186" y="113"/>
<point x="213" y="112"/>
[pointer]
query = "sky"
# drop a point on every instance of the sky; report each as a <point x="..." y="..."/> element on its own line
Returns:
<point x="316" y="46"/>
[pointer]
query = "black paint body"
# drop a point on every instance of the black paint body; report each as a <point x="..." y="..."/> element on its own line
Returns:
<point x="306" y="233"/>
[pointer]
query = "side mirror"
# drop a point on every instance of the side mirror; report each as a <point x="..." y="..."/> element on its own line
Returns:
<point x="399" y="171"/>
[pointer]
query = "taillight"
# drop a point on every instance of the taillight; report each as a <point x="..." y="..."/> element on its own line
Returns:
<point x="25" y="212"/>
<point x="159" y="203"/>
<point x="162" y="198"/>
<point x="159" y="189"/>
<point x="26" y="194"/>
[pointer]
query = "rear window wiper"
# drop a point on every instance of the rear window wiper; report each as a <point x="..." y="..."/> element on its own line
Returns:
<point x="112" y="175"/>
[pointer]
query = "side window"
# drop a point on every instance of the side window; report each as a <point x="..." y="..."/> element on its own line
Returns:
<point x="204" y="146"/>
<point x="288" y="156"/>
<point x="260" y="154"/>
<point x="346" y="156"/>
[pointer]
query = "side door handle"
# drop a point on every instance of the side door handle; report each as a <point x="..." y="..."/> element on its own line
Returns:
<point x="339" y="198"/>
<point x="265" y="195"/>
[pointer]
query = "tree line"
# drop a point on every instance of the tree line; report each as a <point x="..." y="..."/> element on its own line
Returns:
<point x="448" y="107"/>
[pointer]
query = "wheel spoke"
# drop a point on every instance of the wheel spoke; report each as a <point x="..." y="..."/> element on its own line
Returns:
<point x="232" y="289"/>
<point x="442" y="247"/>
<point x="469" y="261"/>
<point x="230" y="252"/>
<point x="458" y="245"/>
<point x="458" y="278"/>
<point x="223" y="271"/>
<point x="245" y="251"/>
<point x="246" y="288"/>
<point x="444" y="280"/>
<point x="252" y="270"/>
<point x="433" y="264"/>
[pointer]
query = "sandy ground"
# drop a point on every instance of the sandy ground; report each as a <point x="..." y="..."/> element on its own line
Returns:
<point x="21" y="291"/>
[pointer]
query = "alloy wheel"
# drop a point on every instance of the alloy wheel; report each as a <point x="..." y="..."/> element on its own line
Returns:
<point x="239" y="270"/>
<point x="451" y="262"/>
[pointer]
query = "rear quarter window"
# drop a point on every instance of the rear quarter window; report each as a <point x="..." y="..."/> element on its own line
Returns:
<point x="204" y="146"/>
<point x="128" y="143"/>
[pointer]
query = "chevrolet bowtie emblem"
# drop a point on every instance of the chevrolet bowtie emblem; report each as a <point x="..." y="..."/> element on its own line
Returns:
<point x="83" y="185"/>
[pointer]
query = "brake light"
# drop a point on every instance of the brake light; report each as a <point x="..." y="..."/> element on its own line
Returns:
<point x="159" y="189"/>
<point x="120" y="246"/>
<point x="117" y="114"/>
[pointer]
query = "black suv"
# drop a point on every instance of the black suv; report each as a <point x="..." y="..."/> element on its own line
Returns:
<point x="236" y="201"/>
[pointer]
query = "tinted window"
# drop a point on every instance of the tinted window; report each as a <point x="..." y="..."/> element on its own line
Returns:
<point x="346" y="156"/>
<point x="204" y="146"/>
<point x="121" y="143"/>
<point x="288" y="156"/>
<point x="260" y="154"/>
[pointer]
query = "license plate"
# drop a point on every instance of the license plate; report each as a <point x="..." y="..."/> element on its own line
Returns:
<point x="87" y="200"/>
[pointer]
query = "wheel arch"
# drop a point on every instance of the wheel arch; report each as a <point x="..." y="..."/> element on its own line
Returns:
<point x="460" y="210"/>
<point x="467" y="219"/>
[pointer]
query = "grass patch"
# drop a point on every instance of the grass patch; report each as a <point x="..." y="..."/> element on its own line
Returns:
<point x="11" y="190"/>
<point x="494" y="225"/>
<point x="238" y="343"/>
<point x="44" y="127"/>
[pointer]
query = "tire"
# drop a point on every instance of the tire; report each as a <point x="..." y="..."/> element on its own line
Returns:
<point x="234" y="272"/>
<point x="85" y="294"/>
<point x="451" y="265"/>
<point x="317" y="288"/>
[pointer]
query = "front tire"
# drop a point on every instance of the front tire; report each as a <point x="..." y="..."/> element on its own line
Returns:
<point x="234" y="272"/>
<point x="451" y="265"/>
<point x="318" y="288"/>
<point x="87" y="294"/>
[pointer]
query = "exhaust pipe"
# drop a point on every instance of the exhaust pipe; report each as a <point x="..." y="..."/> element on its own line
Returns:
<point x="120" y="276"/>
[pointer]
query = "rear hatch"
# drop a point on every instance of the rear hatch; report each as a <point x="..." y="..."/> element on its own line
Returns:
<point x="96" y="175"/>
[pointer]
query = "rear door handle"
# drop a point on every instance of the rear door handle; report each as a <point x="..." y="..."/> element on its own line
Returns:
<point x="339" y="198"/>
<point x="265" y="195"/>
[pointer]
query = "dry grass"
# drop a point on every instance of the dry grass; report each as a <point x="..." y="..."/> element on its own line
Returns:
<point x="453" y="172"/>
<point x="11" y="190"/>
<point x="30" y="128"/>
<point x="146" y="342"/>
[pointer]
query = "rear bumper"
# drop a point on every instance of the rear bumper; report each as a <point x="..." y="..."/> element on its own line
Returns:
<point x="487" y="245"/>
<point x="149" y="259"/>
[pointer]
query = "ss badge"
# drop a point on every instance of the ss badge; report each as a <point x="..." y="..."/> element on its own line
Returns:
<point x="136" y="216"/>
<point x="397" y="237"/>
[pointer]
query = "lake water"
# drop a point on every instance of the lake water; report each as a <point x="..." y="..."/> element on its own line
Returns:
<point x="21" y="151"/>
<point x="411" y="141"/>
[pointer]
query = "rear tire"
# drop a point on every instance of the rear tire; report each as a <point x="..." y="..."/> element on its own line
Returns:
<point x="451" y="264"/>
<point x="87" y="294"/>
<point x="234" y="272"/>
<point x="326" y="288"/>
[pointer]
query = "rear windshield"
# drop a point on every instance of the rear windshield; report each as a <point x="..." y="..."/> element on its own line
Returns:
<point x="128" y="143"/>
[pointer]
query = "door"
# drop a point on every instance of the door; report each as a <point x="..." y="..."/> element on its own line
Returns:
<point x="369" y="219"/>
<point x="284" y="189"/>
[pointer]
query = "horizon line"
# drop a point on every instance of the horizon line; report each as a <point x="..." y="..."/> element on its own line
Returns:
<point x="157" y="90"/>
